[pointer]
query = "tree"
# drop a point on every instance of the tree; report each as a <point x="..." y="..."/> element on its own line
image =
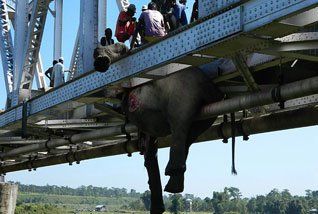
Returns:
<point x="136" y="205"/>
<point x="176" y="203"/>
<point x="275" y="202"/>
<point x="146" y="199"/>
<point x="295" y="207"/>
<point x="233" y="192"/>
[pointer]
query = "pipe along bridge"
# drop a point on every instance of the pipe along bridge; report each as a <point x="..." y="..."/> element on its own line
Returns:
<point x="261" y="53"/>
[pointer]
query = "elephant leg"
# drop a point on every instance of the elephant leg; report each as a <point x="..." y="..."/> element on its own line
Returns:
<point x="176" y="181"/>
<point x="152" y="166"/>
<point x="197" y="128"/>
<point x="176" y="165"/>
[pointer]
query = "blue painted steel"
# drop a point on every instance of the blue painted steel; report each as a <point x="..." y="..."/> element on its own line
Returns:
<point x="207" y="7"/>
<point x="200" y="36"/>
<point x="259" y="13"/>
<point x="6" y="48"/>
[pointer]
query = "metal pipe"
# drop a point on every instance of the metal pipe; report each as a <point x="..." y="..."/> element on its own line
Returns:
<point x="266" y="123"/>
<point x="77" y="138"/>
<point x="283" y="93"/>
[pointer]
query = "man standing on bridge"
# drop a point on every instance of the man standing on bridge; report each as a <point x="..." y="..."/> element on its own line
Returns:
<point x="49" y="73"/>
<point x="58" y="73"/>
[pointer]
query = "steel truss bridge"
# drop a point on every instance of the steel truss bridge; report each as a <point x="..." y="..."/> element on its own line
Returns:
<point x="261" y="53"/>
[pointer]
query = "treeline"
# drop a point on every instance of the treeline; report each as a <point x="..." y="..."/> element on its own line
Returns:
<point x="229" y="200"/>
<point x="80" y="191"/>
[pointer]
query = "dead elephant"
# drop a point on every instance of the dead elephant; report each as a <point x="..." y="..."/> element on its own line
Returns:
<point x="163" y="107"/>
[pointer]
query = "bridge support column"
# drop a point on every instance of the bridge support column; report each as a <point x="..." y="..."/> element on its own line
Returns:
<point x="8" y="197"/>
<point x="89" y="33"/>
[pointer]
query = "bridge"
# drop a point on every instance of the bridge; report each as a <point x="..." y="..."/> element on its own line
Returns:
<point x="261" y="53"/>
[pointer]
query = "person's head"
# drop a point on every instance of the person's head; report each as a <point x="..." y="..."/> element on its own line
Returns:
<point x="152" y="6"/>
<point x="144" y="7"/>
<point x="183" y="2"/>
<point x="173" y="2"/>
<point x="55" y="62"/>
<point x="108" y="33"/>
<point x="61" y="60"/>
<point x="131" y="10"/>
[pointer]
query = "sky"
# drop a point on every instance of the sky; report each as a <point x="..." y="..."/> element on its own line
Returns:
<point x="283" y="160"/>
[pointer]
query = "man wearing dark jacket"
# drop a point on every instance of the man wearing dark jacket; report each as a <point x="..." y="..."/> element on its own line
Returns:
<point x="49" y="72"/>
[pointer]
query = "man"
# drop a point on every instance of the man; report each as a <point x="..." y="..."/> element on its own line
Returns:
<point x="195" y="12"/>
<point x="125" y="26"/>
<point x="152" y="23"/>
<point x="58" y="73"/>
<point x="144" y="7"/>
<point x="107" y="39"/>
<point x="49" y="73"/>
<point x="179" y="13"/>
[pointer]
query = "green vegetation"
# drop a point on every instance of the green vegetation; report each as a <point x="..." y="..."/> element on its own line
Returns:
<point x="53" y="199"/>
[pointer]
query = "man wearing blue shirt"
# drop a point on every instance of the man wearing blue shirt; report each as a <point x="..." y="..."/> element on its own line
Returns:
<point x="179" y="13"/>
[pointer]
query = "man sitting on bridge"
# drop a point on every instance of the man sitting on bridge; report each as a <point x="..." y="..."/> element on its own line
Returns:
<point x="125" y="27"/>
<point x="152" y="23"/>
<point x="107" y="39"/>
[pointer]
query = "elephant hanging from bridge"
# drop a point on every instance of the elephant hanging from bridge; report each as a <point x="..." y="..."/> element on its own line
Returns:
<point x="163" y="107"/>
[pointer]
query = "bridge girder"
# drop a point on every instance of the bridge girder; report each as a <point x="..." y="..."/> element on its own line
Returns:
<point x="254" y="28"/>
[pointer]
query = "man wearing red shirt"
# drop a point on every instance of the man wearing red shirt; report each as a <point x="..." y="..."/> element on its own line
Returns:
<point x="126" y="24"/>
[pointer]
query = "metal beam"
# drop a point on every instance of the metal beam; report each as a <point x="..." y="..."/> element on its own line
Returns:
<point x="58" y="29"/>
<point x="76" y="60"/>
<point x="102" y="15"/>
<point x="214" y="34"/>
<point x="122" y="4"/>
<point x="20" y="39"/>
<point x="39" y="75"/>
<point x="242" y="67"/>
<point x="266" y="123"/>
<point x="6" y="49"/>
<point x="89" y="33"/>
<point x="31" y="54"/>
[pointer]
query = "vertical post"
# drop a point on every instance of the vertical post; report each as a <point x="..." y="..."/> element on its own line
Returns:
<point x="8" y="197"/>
<point x="89" y="32"/>
<point x="58" y="24"/>
<point x="39" y="75"/>
<point x="102" y="14"/>
<point x="20" y="37"/>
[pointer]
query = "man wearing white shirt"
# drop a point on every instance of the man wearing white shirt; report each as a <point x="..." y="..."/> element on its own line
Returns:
<point x="58" y="72"/>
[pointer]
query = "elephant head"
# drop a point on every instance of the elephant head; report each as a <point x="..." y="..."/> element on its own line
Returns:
<point x="105" y="56"/>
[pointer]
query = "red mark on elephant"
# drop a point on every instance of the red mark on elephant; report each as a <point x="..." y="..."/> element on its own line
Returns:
<point x="133" y="102"/>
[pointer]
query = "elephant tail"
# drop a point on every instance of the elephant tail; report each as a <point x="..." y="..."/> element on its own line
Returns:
<point x="234" y="172"/>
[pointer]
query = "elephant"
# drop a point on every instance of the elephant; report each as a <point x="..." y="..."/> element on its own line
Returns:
<point x="167" y="106"/>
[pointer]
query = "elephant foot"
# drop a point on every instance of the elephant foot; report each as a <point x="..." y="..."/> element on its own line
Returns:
<point x="175" y="184"/>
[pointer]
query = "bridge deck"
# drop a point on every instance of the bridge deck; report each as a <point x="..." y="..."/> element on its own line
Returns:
<point x="244" y="27"/>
